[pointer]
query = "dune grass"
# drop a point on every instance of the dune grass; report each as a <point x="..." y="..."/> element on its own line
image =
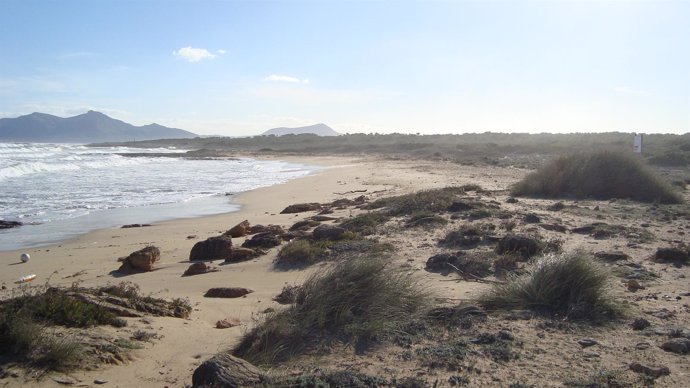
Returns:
<point x="435" y="201"/>
<point x="358" y="302"/>
<point x="568" y="285"/>
<point x="597" y="175"/>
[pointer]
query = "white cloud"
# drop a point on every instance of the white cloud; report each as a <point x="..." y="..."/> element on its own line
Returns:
<point x="191" y="54"/>
<point x="221" y="52"/>
<point x="286" y="78"/>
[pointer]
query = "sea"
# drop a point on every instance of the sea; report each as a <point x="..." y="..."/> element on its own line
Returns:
<point x="60" y="191"/>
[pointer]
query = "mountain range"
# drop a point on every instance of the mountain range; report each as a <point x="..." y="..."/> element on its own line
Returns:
<point x="317" y="129"/>
<point x="89" y="127"/>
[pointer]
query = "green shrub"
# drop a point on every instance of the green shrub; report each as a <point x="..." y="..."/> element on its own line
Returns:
<point x="568" y="285"/>
<point x="365" y="224"/>
<point x="598" y="175"/>
<point x="300" y="253"/>
<point x="357" y="301"/>
<point x="437" y="200"/>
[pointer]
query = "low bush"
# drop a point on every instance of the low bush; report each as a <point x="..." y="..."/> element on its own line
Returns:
<point x="467" y="235"/>
<point x="598" y="175"/>
<point x="426" y="219"/>
<point x="568" y="285"/>
<point x="365" y="224"/>
<point x="437" y="200"/>
<point x="357" y="301"/>
<point x="300" y="253"/>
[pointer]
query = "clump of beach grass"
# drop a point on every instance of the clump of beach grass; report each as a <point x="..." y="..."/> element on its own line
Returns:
<point x="436" y="200"/>
<point x="597" y="175"/>
<point x="300" y="253"/>
<point x="358" y="301"/>
<point x="569" y="285"/>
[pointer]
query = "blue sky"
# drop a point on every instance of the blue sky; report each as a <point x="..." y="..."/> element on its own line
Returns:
<point x="239" y="67"/>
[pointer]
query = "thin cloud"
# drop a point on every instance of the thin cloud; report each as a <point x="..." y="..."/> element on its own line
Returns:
<point x="191" y="54"/>
<point x="221" y="52"/>
<point x="285" y="78"/>
<point x="633" y="92"/>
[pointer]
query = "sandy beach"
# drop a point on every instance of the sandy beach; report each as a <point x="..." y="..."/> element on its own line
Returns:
<point x="181" y="345"/>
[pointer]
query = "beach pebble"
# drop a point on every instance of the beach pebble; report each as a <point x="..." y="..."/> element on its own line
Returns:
<point x="25" y="257"/>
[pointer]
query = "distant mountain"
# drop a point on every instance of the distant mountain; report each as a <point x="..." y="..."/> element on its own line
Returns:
<point x="317" y="129"/>
<point x="89" y="127"/>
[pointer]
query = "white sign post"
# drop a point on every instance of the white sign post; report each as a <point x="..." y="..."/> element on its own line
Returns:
<point x="637" y="144"/>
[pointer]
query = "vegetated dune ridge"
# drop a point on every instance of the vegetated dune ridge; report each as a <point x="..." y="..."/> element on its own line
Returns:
<point x="490" y="348"/>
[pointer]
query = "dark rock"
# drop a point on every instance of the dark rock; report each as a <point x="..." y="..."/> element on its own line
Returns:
<point x="612" y="256"/>
<point x="634" y="285"/>
<point x="520" y="315"/>
<point x="239" y="254"/>
<point x="585" y="343"/>
<point x="642" y="345"/>
<point x="134" y="226"/>
<point x="214" y="248"/>
<point x="440" y="263"/>
<point x="677" y="345"/>
<point x="554" y="227"/>
<point x="558" y="206"/>
<point x="320" y="218"/>
<point x="198" y="269"/>
<point x="301" y="207"/>
<point x="262" y="240"/>
<point x="511" y="200"/>
<point x="141" y="260"/>
<point x="239" y="230"/>
<point x="650" y="371"/>
<point x="304" y="225"/>
<point x="587" y="229"/>
<point x="505" y="335"/>
<point x="662" y="313"/>
<point x="328" y="232"/>
<point x="342" y="202"/>
<point x="461" y="206"/>
<point x="9" y="224"/>
<point x="225" y="370"/>
<point x="275" y="229"/>
<point x="526" y="246"/>
<point x="672" y="255"/>
<point x="227" y="292"/>
<point x="118" y="322"/>
<point x="532" y="219"/>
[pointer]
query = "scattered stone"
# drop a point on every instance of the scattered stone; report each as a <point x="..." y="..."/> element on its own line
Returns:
<point x="677" y="345"/>
<point x="526" y="246"/>
<point x="304" y="225"/>
<point x="225" y="370"/>
<point x="239" y="254"/>
<point x="301" y="207"/>
<point x="556" y="207"/>
<point x="262" y="240"/>
<point x="9" y="224"/>
<point x="320" y="218"/>
<point x="585" y="343"/>
<point x="100" y="382"/>
<point x="198" y="269"/>
<point x="227" y="292"/>
<point x="673" y="255"/>
<point x="642" y="346"/>
<point x="650" y="371"/>
<point x="512" y="200"/>
<point x="134" y="226"/>
<point x="612" y="256"/>
<point x="141" y="260"/>
<point x="554" y="227"/>
<point x="662" y="313"/>
<point x="589" y="355"/>
<point x="64" y="381"/>
<point x="213" y="248"/>
<point x="275" y="229"/>
<point x="640" y="324"/>
<point x="532" y="218"/>
<point x="461" y="206"/>
<point x="228" y="323"/>
<point x="192" y="237"/>
<point x="328" y="232"/>
<point x="239" y="230"/>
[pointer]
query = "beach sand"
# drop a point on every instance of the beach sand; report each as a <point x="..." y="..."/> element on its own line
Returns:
<point x="182" y="344"/>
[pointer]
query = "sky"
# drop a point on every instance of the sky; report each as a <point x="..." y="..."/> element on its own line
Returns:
<point x="237" y="68"/>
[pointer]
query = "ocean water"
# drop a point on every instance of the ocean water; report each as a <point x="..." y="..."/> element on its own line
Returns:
<point x="60" y="191"/>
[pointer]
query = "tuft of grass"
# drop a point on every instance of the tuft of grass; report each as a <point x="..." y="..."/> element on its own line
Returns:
<point x="365" y="224"/>
<point x="357" y="302"/>
<point x="569" y="285"/>
<point x="468" y="235"/>
<point x="426" y="219"/>
<point x="300" y="253"/>
<point x="437" y="200"/>
<point x="598" y="175"/>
